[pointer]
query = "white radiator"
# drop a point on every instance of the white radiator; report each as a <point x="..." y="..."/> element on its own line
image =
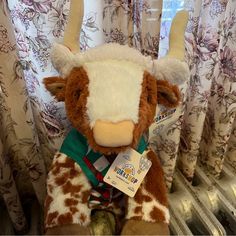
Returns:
<point x="205" y="207"/>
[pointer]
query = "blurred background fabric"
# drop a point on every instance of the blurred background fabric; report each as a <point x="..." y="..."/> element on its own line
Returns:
<point x="33" y="124"/>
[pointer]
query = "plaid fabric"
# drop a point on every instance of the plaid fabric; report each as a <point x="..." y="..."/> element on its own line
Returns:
<point x="102" y="193"/>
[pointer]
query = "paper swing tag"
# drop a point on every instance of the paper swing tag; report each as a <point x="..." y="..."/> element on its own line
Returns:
<point x="128" y="171"/>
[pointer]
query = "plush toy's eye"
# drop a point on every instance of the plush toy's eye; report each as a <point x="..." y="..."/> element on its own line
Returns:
<point x="76" y="94"/>
<point x="149" y="97"/>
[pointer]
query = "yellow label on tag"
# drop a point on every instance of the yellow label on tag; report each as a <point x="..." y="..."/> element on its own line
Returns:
<point x="128" y="171"/>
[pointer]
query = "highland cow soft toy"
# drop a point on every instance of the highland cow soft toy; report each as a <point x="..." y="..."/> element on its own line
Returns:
<point x="111" y="93"/>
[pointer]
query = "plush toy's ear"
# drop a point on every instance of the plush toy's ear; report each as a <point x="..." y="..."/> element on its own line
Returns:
<point x="167" y="94"/>
<point x="56" y="87"/>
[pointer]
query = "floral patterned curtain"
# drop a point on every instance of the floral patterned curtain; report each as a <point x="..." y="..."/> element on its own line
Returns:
<point x="165" y="132"/>
<point x="209" y="119"/>
<point x="136" y="23"/>
<point x="33" y="125"/>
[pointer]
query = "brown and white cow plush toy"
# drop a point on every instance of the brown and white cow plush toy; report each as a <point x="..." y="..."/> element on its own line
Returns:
<point x="111" y="93"/>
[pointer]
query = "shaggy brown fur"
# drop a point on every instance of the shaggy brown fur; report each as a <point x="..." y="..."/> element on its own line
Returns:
<point x="137" y="227"/>
<point x="70" y="229"/>
<point x="56" y="87"/>
<point x="157" y="188"/>
<point x="168" y="95"/>
<point x="155" y="182"/>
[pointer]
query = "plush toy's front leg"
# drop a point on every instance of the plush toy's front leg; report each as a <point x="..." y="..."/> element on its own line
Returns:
<point x="148" y="212"/>
<point x="141" y="227"/>
<point x="66" y="208"/>
<point x="74" y="229"/>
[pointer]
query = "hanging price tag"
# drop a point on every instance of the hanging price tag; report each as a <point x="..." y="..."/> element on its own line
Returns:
<point x="128" y="171"/>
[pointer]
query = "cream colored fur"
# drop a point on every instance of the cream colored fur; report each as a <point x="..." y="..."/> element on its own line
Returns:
<point x="114" y="90"/>
<point x="147" y="207"/>
<point x="64" y="60"/>
<point x="56" y="193"/>
<point x="171" y="69"/>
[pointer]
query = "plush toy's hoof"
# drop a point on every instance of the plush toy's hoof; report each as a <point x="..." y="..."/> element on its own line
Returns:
<point x="103" y="223"/>
<point x="74" y="229"/>
<point x="135" y="227"/>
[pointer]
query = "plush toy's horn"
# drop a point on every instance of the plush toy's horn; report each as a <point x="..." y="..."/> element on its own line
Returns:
<point x="176" y="37"/>
<point x="173" y="67"/>
<point x="62" y="55"/>
<point x="74" y="25"/>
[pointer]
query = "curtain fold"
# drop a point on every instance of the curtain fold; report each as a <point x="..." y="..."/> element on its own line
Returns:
<point x="165" y="132"/>
<point x="231" y="151"/>
<point x="22" y="167"/>
<point x="210" y="105"/>
<point x="136" y="23"/>
<point x="10" y="194"/>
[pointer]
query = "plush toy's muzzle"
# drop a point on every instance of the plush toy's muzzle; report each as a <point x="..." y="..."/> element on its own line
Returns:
<point x="109" y="134"/>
